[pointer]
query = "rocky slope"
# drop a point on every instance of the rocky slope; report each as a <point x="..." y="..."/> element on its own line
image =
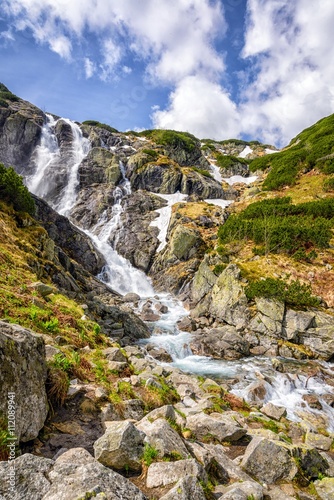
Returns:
<point x="114" y="419"/>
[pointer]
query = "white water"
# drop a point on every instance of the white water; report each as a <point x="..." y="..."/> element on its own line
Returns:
<point x="46" y="154"/>
<point x="80" y="149"/>
<point x="162" y="222"/>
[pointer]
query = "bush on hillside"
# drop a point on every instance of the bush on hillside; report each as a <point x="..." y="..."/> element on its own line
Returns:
<point x="172" y="138"/>
<point x="278" y="225"/>
<point x="12" y="190"/>
<point x="294" y="294"/>
<point x="94" y="123"/>
<point x="226" y="161"/>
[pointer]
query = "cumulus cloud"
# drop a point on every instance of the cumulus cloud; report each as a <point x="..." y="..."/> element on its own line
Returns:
<point x="288" y="44"/>
<point x="201" y="107"/>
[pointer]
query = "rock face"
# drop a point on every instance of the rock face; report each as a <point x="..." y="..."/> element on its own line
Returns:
<point x="73" y="241"/>
<point x="20" y="129"/>
<point x="75" y="474"/>
<point x="120" y="446"/>
<point x="23" y="373"/>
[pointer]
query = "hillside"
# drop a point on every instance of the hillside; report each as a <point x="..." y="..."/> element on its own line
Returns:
<point x="166" y="312"/>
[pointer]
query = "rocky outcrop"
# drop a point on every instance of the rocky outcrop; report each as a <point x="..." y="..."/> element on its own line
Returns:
<point x="20" y="130"/>
<point x="70" y="239"/>
<point x="220" y="343"/>
<point x="99" y="167"/>
<point x="75" y="474"/>
<point x="22" y="379"/>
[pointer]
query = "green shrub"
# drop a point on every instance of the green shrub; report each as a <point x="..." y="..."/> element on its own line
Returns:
<point x="329" y="184"/>
<point x="150" y="454"/>
<point x="294" y="294"/>
<point x="152" y="153"/>
<point x="226" y="161"/>
<point x="13" y="190"/>
<point x="202" y="171"/>
<point x="277" y="225"/>
<point x="3" y="103"/>
<point x="172" y="138"/>
<point x="94" y="123"/>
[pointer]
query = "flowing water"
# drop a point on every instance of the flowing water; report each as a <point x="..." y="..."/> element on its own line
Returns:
<point x="121" y="276"/>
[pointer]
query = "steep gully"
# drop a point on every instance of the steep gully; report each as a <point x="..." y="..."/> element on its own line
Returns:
<point x="51" y="163"/>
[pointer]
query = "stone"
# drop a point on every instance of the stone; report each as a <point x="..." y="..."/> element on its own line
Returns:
<point x="165" y="473"/>
<point x="23" y="374"/>
<point x="185" y="242"/>
<point x="224" y="428"/>
<point x="186" y="488"/>
<point x="325" y="488"/>
<point x="43" y="289"/>
<point x="228" y="299"/>
<point x="122" y="445"/>
<point x="268" y="461"/>
<point x="311" y="462"/>
<point x="257" y="391"/>
<point x="228" y="468"/>
<point x="133" y="409"/>
<point x="114" y="354"/>
<point x="320" y="341"/>
<point x="163" y="438"/>
<point x="166" y="412"/>
<point x="243" y="491"/>
<point x="50" y="352"/>
<point x="296" y="322"/>
<point x="131" y="297"/>
<point x="318" y="441"/>
<point x="273" y="411"/>
<point x="220" y="343"/>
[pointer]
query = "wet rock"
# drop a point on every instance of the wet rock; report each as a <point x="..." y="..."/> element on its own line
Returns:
<point x="273" y="411"/>
<point x="161" y="436"/>
<point x="187" y="488"/>
<point x="23" y="374"/>
<point x="257" y="391"/>
<point x="224" y="428"/>
<point x="131" y="297"/>
<point x="268" y="461"/>
<point x="122" y="445"/>
<point x="165" y="473"/>
<point x="221" y="343"/>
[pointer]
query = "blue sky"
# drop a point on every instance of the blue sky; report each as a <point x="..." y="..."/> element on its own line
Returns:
<point x="255" y="69"/>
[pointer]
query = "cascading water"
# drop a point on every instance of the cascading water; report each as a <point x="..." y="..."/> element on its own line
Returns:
<point x="79" y="149"/>
<point x="124" y="278"/>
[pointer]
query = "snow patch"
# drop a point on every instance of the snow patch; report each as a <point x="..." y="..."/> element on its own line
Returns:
<point x="239" y="179"/>
<point x="162" y="222"/>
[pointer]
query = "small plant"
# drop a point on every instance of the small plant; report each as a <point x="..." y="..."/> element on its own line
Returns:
<point x="149" y="455"/>
<point x="51" y="325"/>
<point x="57" y="385"/>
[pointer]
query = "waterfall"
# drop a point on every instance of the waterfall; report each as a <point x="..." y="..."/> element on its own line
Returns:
<point x="79" y="149"/>
<point x="47" y="153"/>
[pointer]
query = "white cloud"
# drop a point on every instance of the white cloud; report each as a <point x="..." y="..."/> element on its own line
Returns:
<point x="200" y="107"/>
<point x="62" y="46"/>
<point x="90" y="67"/>
<point x="291" y="47"/>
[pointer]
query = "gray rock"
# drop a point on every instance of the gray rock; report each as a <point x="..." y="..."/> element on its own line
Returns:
<point x="165" y="473"/>
<point x="228" y="300"/>
<point x="221" y="343"/>
<point x="228" y="467"/>
<point x="186" y="489"/>
<point x="133" y="409"/>
<point x="273" y="411"/>
<point x="325" y="488"/>
<point x="114" y="354"/>
<point x="243" y="491"/>
<point x="268" y="461"/>
<point x="23" y="373"/>
<point x="131" y="297"/>
<point x="224" y="428"/>
<point x="296" y="322"/>
<point x="31" y="478"/>
<point x="320" y="341"/>
<point x="163" y="437"/>
<point x="122" y="445"/>
<point x="318" y="441"/>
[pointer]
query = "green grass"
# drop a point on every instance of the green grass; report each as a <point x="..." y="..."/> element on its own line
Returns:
<point x="94" y="123"/>
<point x="172" y="138"/>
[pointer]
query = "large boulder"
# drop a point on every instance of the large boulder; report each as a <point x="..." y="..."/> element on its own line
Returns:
<point x="268" y="461"/>
<point x="325" y="488"/>
<point x="99" y="166"/>
<point x="22" y="379"/>
<point x="165" y="473"/>
<point x="121" y="446"/>
<point x="269" y="318"/>
<point x="75" y="474"/>
<point x="223" y="428"/>
<point x="320" y="341"/>
<point x="187" y="488"/>
<point x="163" y="438"/>
<point x="297" y="322"/>
<point x="184" y="242"/>
<point x="228" y="299"/>
<point x="221" y="343"/>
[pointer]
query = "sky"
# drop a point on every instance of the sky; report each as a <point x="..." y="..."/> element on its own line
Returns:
<point x="251" y="69"/>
